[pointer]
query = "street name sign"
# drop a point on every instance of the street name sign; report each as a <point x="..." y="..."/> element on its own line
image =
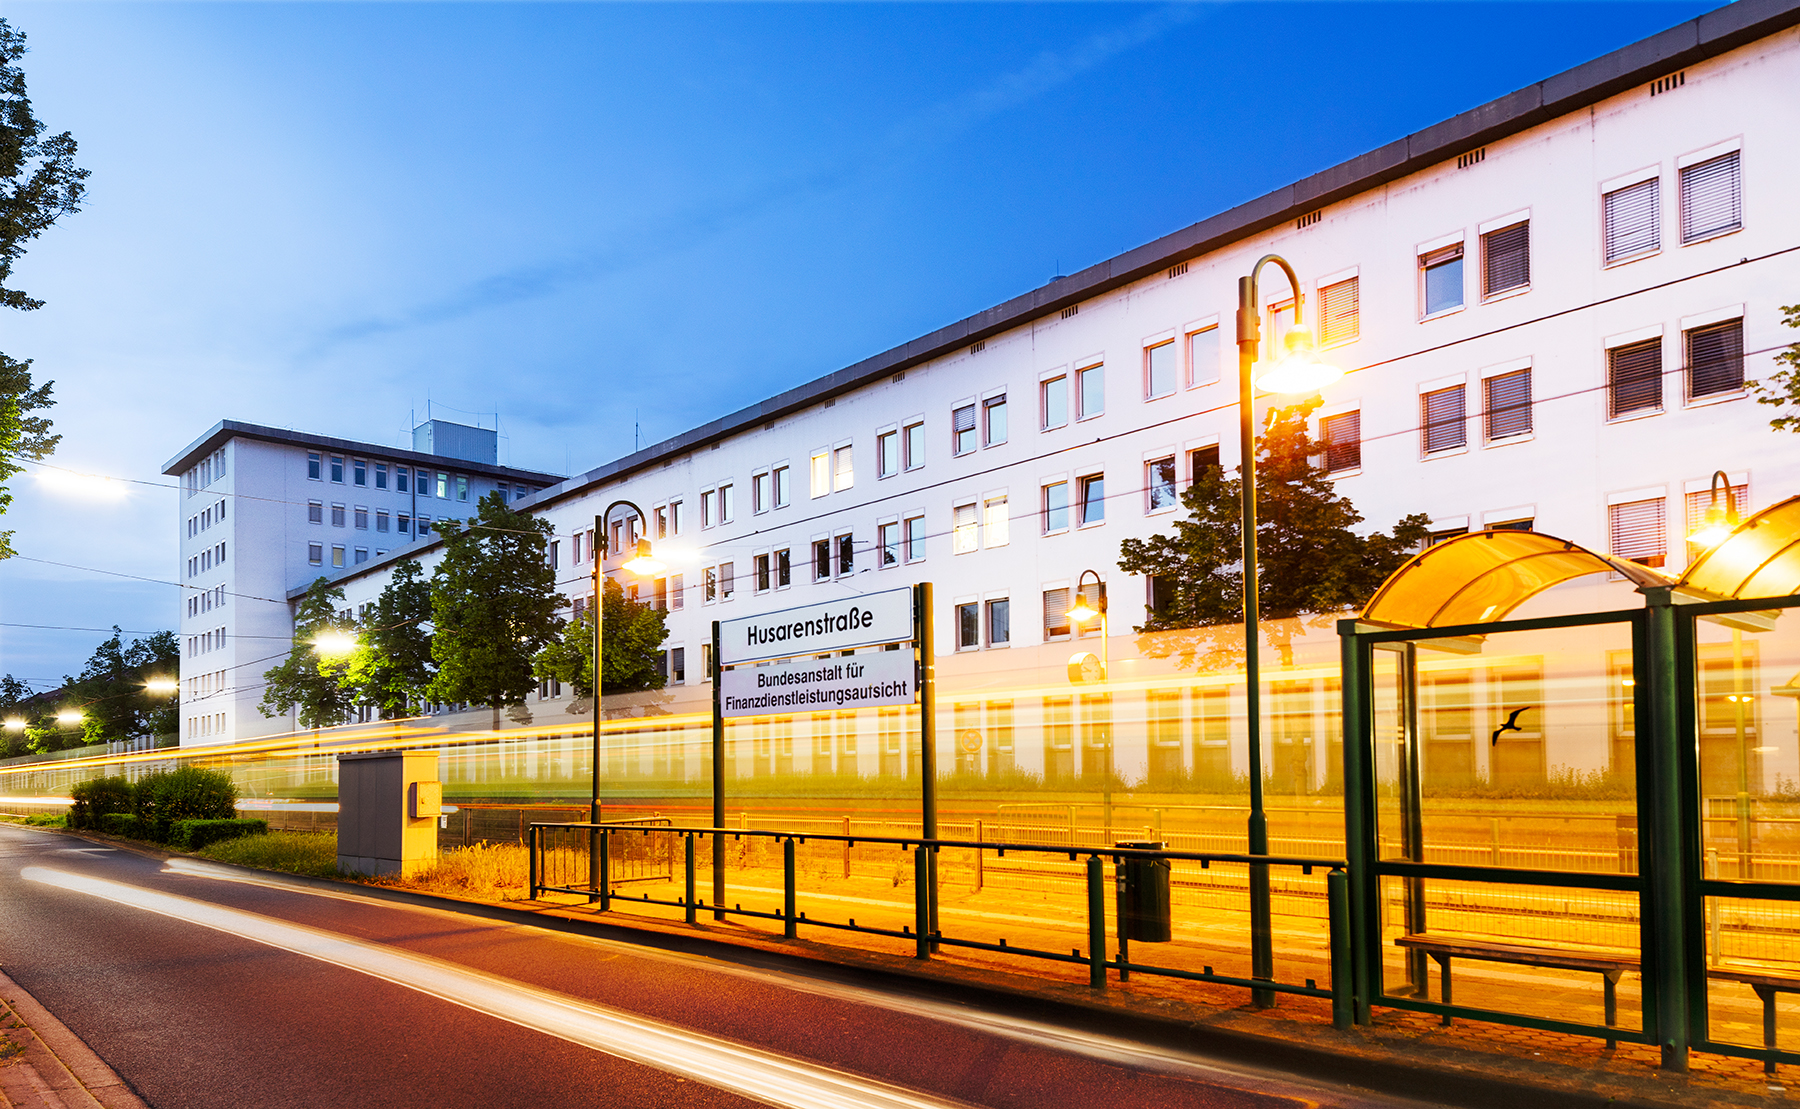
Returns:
<point x="839" y="625"/>
<point x="799" y="685"/>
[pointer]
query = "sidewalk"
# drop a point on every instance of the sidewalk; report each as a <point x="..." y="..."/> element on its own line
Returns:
<point x="44" y="1066"/>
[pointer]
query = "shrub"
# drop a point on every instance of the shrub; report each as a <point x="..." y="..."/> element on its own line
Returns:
<point x="120" y="824"/>
<point x="185" y="793"/>
<point x="192" y="835"/>
<point x="96" y="798"/>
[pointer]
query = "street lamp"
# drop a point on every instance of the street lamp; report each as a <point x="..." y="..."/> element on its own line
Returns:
<point x="332" y="643"/>
<point x="1721" y="521"/>
<point x="1081" y="670"/>
<point x="641" y="563"/>
<point x="161" y="685"/>
<point x="1299" y="370"/>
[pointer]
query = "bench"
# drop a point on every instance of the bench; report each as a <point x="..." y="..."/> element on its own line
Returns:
<point x="1610" y="966"/>
<point x="1767" y="982"/>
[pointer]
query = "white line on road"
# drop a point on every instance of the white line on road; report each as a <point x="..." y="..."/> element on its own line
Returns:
<point x="761" y="1075"/>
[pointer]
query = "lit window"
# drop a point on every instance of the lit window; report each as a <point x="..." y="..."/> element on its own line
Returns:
<point x="821" y="473"/>
<point x="1090" y="385"/>
<point x="964" y="534"/>
<point x="993" y="418"/>
<point x="1056" y="506"/>
<point x="1712" y="198"/>
<point x="1159" y="370"/>
<point x="962" y="430"/>
<point x="1053" y="397"/>
<point x="443" y="486"/>
<point x="1634" y="378"/>
<point x="1093" y="499"/>
<point x="1441" y="279"/>
<point x="1631" y="220"/>
<point x="1056" y="613"/>
<point x="1508" y="404"/>
<point x="1445" y="427"/>
<point x="995" y="522"/>
<point x="1505" y="260"/>
<point x="1159" y="484"/>
<point x="337" y="556"/>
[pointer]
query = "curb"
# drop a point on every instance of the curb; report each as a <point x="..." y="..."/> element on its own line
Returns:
<point x="51" y="1066"/>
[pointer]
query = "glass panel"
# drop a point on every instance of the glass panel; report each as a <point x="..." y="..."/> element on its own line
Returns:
<point x="1750" y="944"/>
<point x="1748" y="717"/>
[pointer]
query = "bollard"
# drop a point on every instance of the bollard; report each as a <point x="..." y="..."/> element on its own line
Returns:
<point x="604" y="861"/>
<point x="922" y="900"/>
<point x="1337" y="907"/>
<point x="1096" y="891"/>
<point x="688" y="900"/>
<point x="789" y="914"/>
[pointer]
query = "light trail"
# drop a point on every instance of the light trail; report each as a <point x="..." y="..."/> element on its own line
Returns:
<point x="761" y="1075"/>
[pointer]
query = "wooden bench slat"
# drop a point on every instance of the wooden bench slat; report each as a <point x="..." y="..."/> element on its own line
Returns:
<point x="1520" y="954"/>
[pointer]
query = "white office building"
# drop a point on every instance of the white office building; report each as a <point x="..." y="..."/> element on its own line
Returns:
<point x="1548" y="305"/>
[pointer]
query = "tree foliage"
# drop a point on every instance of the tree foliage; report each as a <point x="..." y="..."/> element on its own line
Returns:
<point x="632" y="634"/>
<point x="110" y="689"/>
<point x="391" y="667"/>
<point x="306" y="682"/>
<point x="39" y="183"/>
<point x="1311" y="563"/>
<point x="494" y="606"/>
<point x="1782" y="388"/>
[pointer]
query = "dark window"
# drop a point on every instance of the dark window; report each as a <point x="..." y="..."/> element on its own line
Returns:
<point x="678" y="663"/>
<point x="783" y="569"/>
<point x="762" y="573"/>
<point x="1506" y="259"/>
<point x="312" y="466"/>
<point x="1200" y="461"/>
<point x="1509" y="404"/>
<point x="999" y="620"/>
<point x="1634" y="377"/>
<point x="1343" y="441"/>
<point x="968" y="625"/>
<point x="1715" y="358"/>
<point x="821" y="559"/>
<point x="846" y="546"/>
<point x="1445" y="425"/>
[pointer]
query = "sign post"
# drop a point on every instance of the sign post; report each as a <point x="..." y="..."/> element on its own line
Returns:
<point x="927" y="656"/>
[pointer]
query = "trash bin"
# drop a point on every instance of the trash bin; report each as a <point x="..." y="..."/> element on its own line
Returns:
<point x="1143" y="894"/>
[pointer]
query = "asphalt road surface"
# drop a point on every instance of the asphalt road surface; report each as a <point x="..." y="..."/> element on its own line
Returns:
<point x="205" y="987"/>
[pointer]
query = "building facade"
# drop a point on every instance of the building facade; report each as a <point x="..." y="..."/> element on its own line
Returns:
<point x="1548" y="307"/>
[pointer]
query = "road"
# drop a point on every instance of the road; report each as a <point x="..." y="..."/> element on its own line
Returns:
<point x="204" y="986"/>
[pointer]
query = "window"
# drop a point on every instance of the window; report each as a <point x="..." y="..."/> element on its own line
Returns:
<point x="843" y="470"/>
<point x="1715" y="358"/>
<point x="821" y="473"/>
<point x="337" y="515"/>
<point x="706" y="509"/>
<point x="962" y="430"/>
<point x="964" y="536"/>
<point x="1340" y="312"/>
<point x="555" y="546"/>
<point x="1203" y="356"/>
<point x="312" y="466"/>
<point x="887" y="543"/>
<point x="1053" y="400"/>
<point x="1444" y="425"/>
<point x="423" y="524"/>
<point x="678" y="662"/>
<point x="1638" y="531"/>
<point x="1342" y="434"/>
<point x="999" y="622"/>
<point x="361" y="517"/>
<point x="1508" y="404"/>
<point x="1090" y="385"/>
<point x="727" y="580"/>
<point x="1505" y="260"/>
<point x="764" y="579"/>
<point x="821" y="559"/>
<point x="1056" y="613"/>
<point x="783" y="489"/>
<point x="846" y="552"/>
<point x="709" y="585"/>
<point x="1712" y="198"/>
<point x="1441" y="279"/>
<point x="727" y="505"/>
<point x="462" y="487"/>
<point x="575" y="548"/>
<point x="1093" y="499"/>
<point x="337" y="556"/>
<point x="1630" y="220"/>
<point x="913" y="528"/>
<point x="913" y="442"/>
<point x="784" y="575"/>
<point x="1159" y="370"/>
<point x="337" y="470"/>
<point x="1201" y="462"/>
<point x="1634" y="377"/>
<point x="1056" y="506"/>
<point x="381" y="519"/>
<point x="403" y="523"/>
<point x="362" y="555"/>
<point x="887" y="454"/>
<point x="315" y="512"/>
<point x="359" y="472"/>
<point x="968" y="626"/>
<point x="443" y="486"/>
<point x="315" y="553"/>
<point x="1159" y="484"/>
<point x="422" y="482"/>
<point x="661" y="515"/>
<point x="993" y="420"/>
<point x="676" y="517"/>
<point x="401" y="474"/>
<point x="381" y="476"/>
<point x="677" y="592"/>
<point x="995" y="521"/>
<point x="759" y="493"/>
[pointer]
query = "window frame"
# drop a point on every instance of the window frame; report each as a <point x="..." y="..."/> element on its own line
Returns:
<point x="1152" y="486"/>
<point x="1173" y="357"/>
<point x="1488" y="233"/>
<point x="1048" y="510"/>
<point x="1082" y="377"/>
<point x="990" y="406"/>
<point x="1457" y="426"/>
<point x="1434" y="258"/>
<point x="1646" y="180"/>
<point x="1193" y="331"/>
<point x="1087" y="503"/>
<point x="1054" y="386"/>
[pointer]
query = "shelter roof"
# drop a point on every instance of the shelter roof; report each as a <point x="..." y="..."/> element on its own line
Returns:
<point x="1760" y="558"/>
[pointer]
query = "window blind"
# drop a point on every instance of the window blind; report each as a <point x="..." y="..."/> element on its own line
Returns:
<point x="1343" y="441"/>
<point x="1338" y="312"/>
<point x="1629" y="217"/>
<point x="1509" y="404"/>
<point x="1056" y="612"/>
<point x="1444" y="420"/>
<point x="1712" y="198"/>
<point x="1639" y="531"/>
<point x="1634" y="377"/>
<point x="965" y="418"/>
<point x="1715" y="358"/>
<point x="1506" y="259"/>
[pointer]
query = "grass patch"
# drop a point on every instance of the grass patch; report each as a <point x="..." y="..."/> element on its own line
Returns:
<point x="495" y="871"/>
<point x="313" y="854"/>
<point x="37" y="820"/>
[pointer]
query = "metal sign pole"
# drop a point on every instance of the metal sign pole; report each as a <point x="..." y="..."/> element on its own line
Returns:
<point x="927" y="656"/>
<point x="594" y="810"/>
<point x="718" y="779"/>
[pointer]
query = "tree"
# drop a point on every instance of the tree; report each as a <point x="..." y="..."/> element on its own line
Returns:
<point x="391" y="666"/>
<point x="307" y="681"/>
<point x="1783" y="386"/>
<point x="493" y="607"/>
<point x="631" y="642"/>
<point x="1310" y="561"/>
<point x="110" y="689"/>
<point x="39" y="183"/>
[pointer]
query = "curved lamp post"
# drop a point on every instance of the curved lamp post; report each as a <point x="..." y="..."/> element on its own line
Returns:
<point x="1721" y="520"/>
<point x="1300" y="370"/>
<point x="1080" y="613"/>
<point x="641" y="563"/>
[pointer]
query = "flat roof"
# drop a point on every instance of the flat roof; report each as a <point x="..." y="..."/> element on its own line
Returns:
<point x="234" y="429"/>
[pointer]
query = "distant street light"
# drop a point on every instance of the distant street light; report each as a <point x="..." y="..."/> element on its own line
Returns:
<point x="332" y="643"/>
<point x="162" y="685"/>
<point x="14" y="724"/>
<point x="70" y="717"/>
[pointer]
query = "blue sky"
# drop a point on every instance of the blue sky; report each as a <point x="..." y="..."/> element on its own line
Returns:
<point x="323" y="216"/>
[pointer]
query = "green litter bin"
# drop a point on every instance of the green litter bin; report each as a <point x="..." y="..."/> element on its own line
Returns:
<point x="1144" y="914"/>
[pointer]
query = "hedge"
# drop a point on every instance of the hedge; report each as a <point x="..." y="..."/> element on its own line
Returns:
<point x="192" y="835"/>
<point x="185" y="793"/>
<point x="120" y="824"/>
<point x="98" y="798"/>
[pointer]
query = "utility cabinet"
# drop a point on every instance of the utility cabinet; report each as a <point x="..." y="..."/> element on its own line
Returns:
<point x="388" y="808"/>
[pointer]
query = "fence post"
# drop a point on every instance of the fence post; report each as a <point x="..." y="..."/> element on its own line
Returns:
<point x="846" y="847"/>
<point x="604" y="859"/>
<point x="1096" y="893"/>
<point x="789" y="910"/>
<point x="1343" y="993"/>
<point x="979" y="855"/>
<point x="922" y="900"/>
<point x="531" y="854"/>
<point x="688" y="900"/>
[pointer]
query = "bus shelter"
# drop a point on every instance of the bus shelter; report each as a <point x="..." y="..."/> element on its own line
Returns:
<point x="1589" y="822"/>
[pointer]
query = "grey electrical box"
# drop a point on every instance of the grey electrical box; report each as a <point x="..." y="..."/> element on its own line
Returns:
<point x="388" y="806"/>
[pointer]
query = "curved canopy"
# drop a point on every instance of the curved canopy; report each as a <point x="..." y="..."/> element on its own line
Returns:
<point x="1760" y="558"/>
<point x="1483" y="576"/>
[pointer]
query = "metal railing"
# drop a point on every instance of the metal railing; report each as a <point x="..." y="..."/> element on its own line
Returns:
<point x="563" y="860"/>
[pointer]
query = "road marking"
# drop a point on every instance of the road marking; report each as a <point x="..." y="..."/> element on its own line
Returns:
<point x="764" y="1076"/>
